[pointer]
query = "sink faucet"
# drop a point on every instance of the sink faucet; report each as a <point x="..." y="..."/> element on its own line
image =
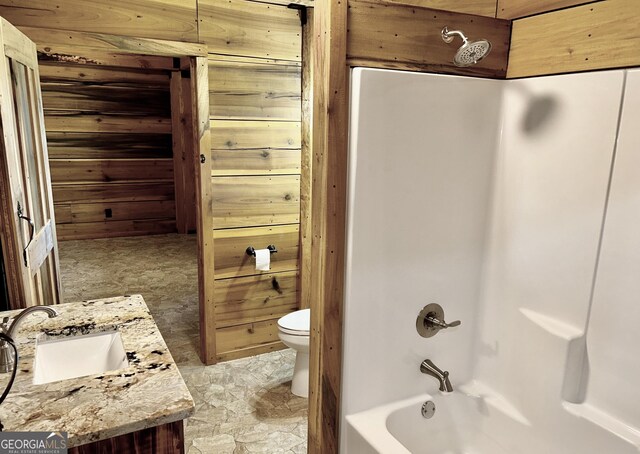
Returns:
<point x="427" y="367"/>
<point x="7" y="360"/>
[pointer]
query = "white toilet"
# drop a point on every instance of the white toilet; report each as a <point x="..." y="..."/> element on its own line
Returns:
<point x="293" y="330"/>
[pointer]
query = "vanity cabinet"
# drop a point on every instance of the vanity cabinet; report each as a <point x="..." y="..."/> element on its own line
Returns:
<point x="134" y="408"/>
<point x="163" y="439"/>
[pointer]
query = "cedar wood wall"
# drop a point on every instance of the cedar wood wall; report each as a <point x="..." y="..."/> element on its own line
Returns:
<point x="109" y="136"/>
<point x="255" y="111"/>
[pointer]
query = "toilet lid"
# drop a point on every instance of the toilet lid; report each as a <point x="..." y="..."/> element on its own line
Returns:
<point x="297" y="323"/>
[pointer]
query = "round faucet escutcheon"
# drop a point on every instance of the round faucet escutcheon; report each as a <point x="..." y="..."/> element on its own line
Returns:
<point x="431" y="320"/>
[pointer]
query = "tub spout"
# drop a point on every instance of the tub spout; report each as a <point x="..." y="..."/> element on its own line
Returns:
<point x="427" y="367"/>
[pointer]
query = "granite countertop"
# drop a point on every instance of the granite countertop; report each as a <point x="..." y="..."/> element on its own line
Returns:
<point x="148" y="393"/>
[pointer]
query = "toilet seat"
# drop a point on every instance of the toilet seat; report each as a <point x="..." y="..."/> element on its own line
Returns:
<point x="297" y="323"/>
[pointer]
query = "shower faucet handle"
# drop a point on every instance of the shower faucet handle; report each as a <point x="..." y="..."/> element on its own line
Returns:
<point x="441" y="323"/>
<point x="431" y="320"/>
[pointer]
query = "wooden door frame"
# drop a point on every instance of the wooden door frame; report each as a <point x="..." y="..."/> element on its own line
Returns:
<point x="13" y="260"/>
<point x="328" y="229"/>
<point x="80" y="47"/>
<point x="22" y="289"/>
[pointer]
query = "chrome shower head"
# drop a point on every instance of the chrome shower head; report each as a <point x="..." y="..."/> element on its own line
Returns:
<point x="471" y="52"/>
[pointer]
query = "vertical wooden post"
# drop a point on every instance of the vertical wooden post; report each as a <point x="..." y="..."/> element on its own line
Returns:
<point x="183" y="151"/>
<point x="190" y="156"/>
<point x="204" y="205"/>
<point x="329" y="197"/>
<point x="178" y="143"/>
<point x="306" y="158"/>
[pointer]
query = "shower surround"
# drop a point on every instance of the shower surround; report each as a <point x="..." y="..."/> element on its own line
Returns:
<point x="514" y="205"/>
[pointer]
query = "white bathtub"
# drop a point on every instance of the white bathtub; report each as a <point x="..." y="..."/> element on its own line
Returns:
<point x="474" y="421"/>
<point x="461" y="424"/>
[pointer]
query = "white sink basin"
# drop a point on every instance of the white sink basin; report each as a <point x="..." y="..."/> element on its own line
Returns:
<point x="78" y="356"/>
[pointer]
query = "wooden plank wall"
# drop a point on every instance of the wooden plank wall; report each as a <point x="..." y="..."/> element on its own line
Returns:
<point x="107" y="115"/>
<point x="514" y="9"/>
<point x="588" y="37"/>
<point x="110" y="148"/>
<point x="255" y="57"/>
<point x="255" y="110"/>
<point x="478" y="7"/>
<point x="384" y="35"/>
<point x="174" y="20"/>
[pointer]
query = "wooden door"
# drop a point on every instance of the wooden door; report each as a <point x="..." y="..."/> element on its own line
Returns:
<point x="27" y="227"/>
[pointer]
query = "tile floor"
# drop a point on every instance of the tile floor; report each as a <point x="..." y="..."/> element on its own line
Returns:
<point x="242" y="406"/>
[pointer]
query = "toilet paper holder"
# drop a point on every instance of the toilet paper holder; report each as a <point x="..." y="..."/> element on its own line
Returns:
<point x="252" y="252"/>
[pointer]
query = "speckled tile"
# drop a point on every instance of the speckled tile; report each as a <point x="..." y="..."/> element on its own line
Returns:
<point x="242" y="406"/>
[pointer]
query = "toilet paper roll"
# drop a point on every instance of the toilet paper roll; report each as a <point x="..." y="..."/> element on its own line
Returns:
<point x="263" y="259"/>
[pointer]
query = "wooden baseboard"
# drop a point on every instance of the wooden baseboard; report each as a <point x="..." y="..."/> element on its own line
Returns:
<point x="93" y="230"/>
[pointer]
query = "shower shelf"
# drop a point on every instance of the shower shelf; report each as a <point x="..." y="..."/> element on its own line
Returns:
<point x="571" y="357"/>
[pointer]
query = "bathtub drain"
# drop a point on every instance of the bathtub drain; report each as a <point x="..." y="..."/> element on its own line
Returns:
<point x="428" y="409"/>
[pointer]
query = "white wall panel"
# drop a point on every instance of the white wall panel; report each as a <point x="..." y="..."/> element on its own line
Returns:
<point x="613" y="336"/>
<point x="422" y="151"/>
<point x="551" y="179"/>
<point x="488" y="197"/>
